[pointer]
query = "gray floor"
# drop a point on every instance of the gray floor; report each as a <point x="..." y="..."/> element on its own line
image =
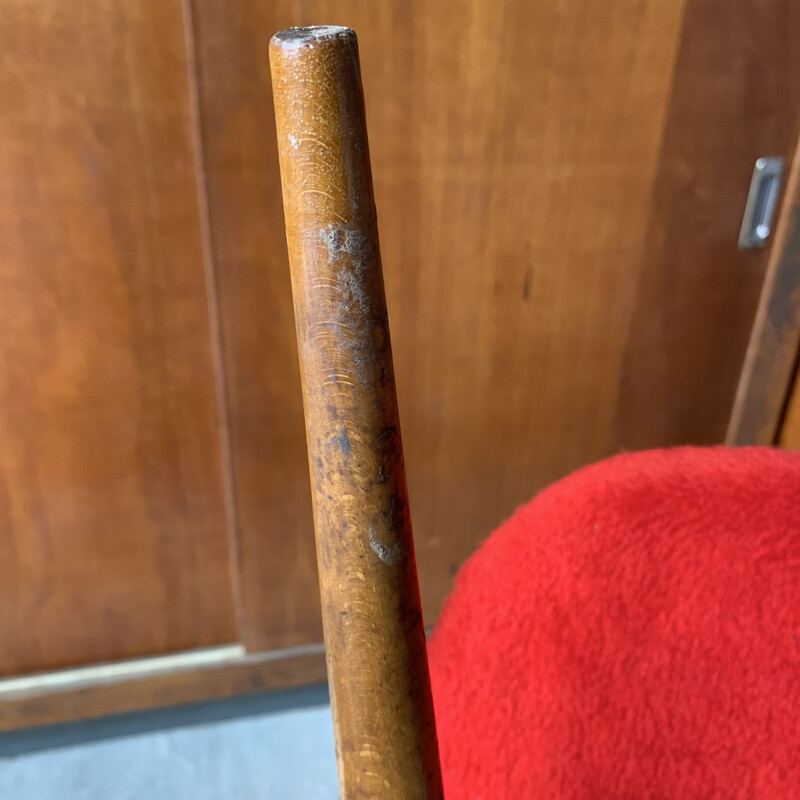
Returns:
<point x="264" y="746"/>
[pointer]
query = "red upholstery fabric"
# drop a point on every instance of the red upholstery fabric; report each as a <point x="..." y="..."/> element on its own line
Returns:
<point x="633" y="632"/>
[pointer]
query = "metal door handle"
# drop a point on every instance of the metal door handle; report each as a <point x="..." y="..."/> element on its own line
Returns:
<point x="762" y="200"/>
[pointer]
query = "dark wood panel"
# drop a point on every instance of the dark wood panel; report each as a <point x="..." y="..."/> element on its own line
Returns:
<point x="737" y="80"/>
<point x="252" y="673"/>
<point x="514" y="148"/>
<point x="769" y="366"/>
<point x="113" y="524"/>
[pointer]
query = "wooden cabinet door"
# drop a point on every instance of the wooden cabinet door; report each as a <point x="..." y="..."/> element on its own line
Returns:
<point x="559" y="186"/>
<point x="514" y="150"/>
<point x="559" y="189"/>
<point x="113" y="527"/>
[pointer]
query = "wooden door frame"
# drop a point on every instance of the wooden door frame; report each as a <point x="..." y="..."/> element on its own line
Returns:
<point x="771" y="359"/>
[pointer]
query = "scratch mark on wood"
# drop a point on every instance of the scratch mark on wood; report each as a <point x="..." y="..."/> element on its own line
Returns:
<point x="389" y="555"/>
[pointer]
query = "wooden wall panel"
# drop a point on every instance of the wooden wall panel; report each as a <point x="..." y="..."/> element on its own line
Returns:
<point x="737" y="81"/>
<point x="113" y="527"/>
<point x="514" y="150"/>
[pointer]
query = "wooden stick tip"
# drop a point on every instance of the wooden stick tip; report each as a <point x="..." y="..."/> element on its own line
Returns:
<point x="310" y="37"/>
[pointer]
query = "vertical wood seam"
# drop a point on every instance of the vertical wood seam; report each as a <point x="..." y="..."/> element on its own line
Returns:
<point x="217" y="351"/>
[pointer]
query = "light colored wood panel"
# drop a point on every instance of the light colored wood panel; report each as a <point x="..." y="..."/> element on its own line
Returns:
<point x="790" y="431"/>
<point x="514" y="149"/>
<point x="113" y="537"/>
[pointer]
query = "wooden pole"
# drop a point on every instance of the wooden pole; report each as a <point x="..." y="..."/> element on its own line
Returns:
<point x="374" y="635"/>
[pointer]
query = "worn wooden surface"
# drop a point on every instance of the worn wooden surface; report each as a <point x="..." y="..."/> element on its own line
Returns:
<point x="252" y="673"/>
<point x="371" y="612"/>
<point x="514" y="175"/>
<point x="769" y="367"/>
<point x="734" y="98"/>
<point x="542" y="317"/>
<point x="112" y="525"/>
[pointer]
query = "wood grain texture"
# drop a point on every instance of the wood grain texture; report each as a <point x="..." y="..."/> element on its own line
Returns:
<point x="113" y="528"/>
<point x="790" y="430"/>
<point x="381" y="699"/>
<point x="252" y="673"/>
<point x="737" y="80"/>
<point x="771" y="359"/>
<point x="513" y="169"/>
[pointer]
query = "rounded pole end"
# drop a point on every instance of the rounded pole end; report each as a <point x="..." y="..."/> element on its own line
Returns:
<point x="292" y="38"/>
